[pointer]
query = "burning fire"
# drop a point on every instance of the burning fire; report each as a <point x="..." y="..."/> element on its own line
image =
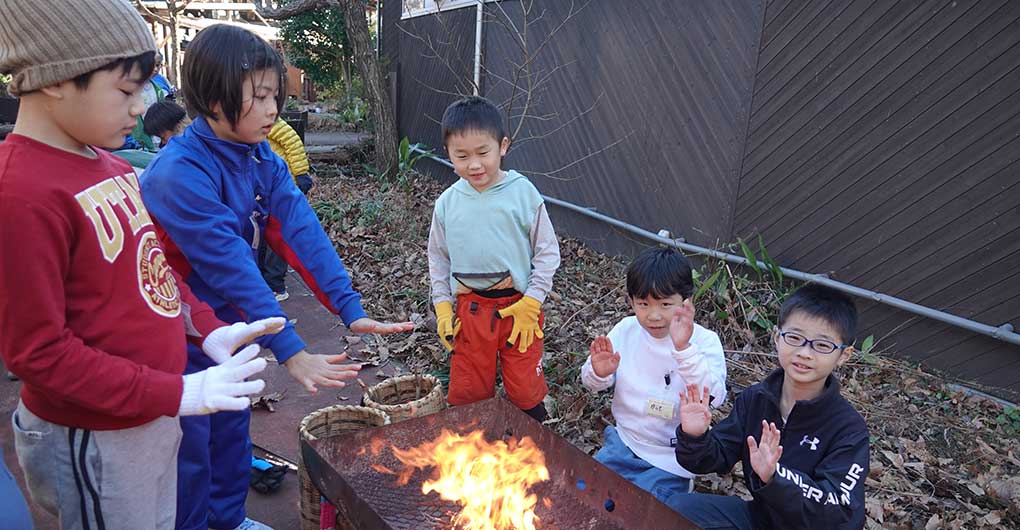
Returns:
<point x="490" y="480"/>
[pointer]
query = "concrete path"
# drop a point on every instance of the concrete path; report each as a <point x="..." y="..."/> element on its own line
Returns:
<point x="341" y="138"/>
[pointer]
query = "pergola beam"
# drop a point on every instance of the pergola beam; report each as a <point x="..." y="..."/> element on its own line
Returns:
<point x="203" y="6"/>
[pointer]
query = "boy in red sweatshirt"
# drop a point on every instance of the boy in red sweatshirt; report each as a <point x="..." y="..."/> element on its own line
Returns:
<point x="92" y="318"/>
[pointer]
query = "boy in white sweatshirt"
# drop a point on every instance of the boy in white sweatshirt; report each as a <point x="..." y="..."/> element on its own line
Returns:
<point x="651" y="357"/>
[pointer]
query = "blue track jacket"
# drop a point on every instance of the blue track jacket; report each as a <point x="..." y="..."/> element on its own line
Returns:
<point x="819" y="480"/>
<point x="212" y="201"/>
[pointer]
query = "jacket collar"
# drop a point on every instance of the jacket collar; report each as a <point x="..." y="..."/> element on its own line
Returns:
<point x="233" y="155"/>
<point x="772" y="387"/>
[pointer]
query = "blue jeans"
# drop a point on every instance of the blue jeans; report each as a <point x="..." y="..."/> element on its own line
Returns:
<point x="714" y="512"/>
<point x="273" y="268"/>
<point x="13" y="510"/>
<point x="617" y="456"/>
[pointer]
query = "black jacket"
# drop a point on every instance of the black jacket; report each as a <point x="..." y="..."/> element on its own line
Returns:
<point x="819" y="480"/>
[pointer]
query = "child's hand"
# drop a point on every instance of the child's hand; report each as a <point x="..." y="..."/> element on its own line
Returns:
<point x="367" y="325"/>
<point x="604" y="361"/>
<point x="694" y="415"/>
<point x="325" y="370"/>
<point x="765" y="455"/>
<point x="224" y="341"/>
<point x="526" y="313"/>
<point x="447" y="324"/>
<point x="682" y="326"/>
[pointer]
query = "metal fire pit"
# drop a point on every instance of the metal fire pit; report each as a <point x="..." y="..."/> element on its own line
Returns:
<point x="584" y="494"/>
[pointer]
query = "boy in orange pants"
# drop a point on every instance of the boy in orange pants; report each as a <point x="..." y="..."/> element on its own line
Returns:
<point x="492" y="246"/>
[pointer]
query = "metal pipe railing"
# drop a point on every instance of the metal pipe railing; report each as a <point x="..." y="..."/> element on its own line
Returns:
<point x="1004" y="332"/>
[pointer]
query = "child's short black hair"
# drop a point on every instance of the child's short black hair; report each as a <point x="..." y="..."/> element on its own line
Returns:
<point x="161" y="117"/>
<point x="474" y="113"/>
<point x="216" y="64"/>
<point x="825" y="303"/>
<point x="660" y="272"/>
<point x="146" y="62"/>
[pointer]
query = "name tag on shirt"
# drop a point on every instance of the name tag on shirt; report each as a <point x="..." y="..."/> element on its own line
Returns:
<point x="659" y="408"/>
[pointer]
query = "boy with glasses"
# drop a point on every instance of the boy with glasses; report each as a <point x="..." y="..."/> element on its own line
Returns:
<point x="804" y="448"/>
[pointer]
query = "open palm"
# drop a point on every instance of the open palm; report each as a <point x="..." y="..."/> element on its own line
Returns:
<point x="694" y="413"/>
<point x="681" y="326"/>
<point x="368" y="325"/>
<point x="604" y="361"/>
<point x="765" y="454"/>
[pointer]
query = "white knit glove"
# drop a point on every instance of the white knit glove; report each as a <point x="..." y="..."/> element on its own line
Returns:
<point x="224" y="341"/>
<point x="223" y="387"/>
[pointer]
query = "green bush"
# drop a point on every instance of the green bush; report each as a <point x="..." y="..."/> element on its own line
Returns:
<point x="316" y="42"/>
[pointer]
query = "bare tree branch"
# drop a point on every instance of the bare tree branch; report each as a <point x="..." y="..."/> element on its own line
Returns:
<point x="151" y="13"/>
<point x="434" y="53"/>
<point x="526" y="81"/>
<point x="562" y="125"/>
<point x="549" y="174"/>
<point x="428" y="86"/>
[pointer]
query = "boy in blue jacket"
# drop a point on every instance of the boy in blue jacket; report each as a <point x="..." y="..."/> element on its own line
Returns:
<point x="215" y="192"/>
<point x="806" y="469"/>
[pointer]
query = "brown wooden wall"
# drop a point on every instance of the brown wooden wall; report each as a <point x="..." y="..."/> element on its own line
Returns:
<point x="883" y="147"/>
<point x="655" y="95"/>
<point x="873" y="140"/>
<point x="434" y="66"/>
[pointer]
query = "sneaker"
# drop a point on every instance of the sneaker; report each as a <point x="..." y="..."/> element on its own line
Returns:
<point x="281" y="296"/>
<point x="11" y="376"/>
<point x="251" y="524"/>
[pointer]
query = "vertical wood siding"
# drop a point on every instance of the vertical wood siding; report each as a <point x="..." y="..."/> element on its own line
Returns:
<point x="883" y="148"/>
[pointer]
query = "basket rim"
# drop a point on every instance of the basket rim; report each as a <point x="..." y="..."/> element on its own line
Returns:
<point x="434" y="393"/>
<point x="370" y="411"/>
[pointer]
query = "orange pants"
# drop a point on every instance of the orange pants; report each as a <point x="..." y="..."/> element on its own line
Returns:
<point x="478" y="345"/>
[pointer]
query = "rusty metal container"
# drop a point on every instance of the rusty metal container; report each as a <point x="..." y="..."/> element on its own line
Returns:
<point x="583" y="493"/>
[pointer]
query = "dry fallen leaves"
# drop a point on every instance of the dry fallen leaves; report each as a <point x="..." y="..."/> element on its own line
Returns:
<point x="939" y="457"/>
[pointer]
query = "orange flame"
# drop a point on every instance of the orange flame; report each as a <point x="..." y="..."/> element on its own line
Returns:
<point x="489" y="480"/>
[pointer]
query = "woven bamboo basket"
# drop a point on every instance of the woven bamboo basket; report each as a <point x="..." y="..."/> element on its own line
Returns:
<point x="324" y="423"/>
<point x="407" y="396"/>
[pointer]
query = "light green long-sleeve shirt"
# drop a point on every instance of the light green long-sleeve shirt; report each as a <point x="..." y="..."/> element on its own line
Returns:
<point x="477" y="239"/>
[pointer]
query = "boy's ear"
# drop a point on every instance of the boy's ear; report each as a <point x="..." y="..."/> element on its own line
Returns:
<point x="503" y="146"/>
<point x="845" y="355"/>
<point x="57" y="91"/>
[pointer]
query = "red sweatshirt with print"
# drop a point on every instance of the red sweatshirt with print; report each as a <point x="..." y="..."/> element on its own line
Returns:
<point x="92" y="319"/>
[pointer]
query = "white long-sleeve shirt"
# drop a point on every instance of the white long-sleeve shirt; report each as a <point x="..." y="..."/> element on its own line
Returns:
<point x="649" y="380"/>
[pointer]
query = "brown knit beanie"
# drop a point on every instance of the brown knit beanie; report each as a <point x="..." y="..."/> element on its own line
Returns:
<point x="45" y="42"/>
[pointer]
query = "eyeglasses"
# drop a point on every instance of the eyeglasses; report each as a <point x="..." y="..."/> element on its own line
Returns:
<point x="819" y="345"/>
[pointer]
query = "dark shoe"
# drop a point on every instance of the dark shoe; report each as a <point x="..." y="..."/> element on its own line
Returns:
<point x="538" y="412"/>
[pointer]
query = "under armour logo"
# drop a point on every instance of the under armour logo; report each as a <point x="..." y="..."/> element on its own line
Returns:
<point x="814" y="443"/>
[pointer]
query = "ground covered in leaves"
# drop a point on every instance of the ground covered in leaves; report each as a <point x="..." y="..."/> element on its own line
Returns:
<point x="940" y="458"/>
